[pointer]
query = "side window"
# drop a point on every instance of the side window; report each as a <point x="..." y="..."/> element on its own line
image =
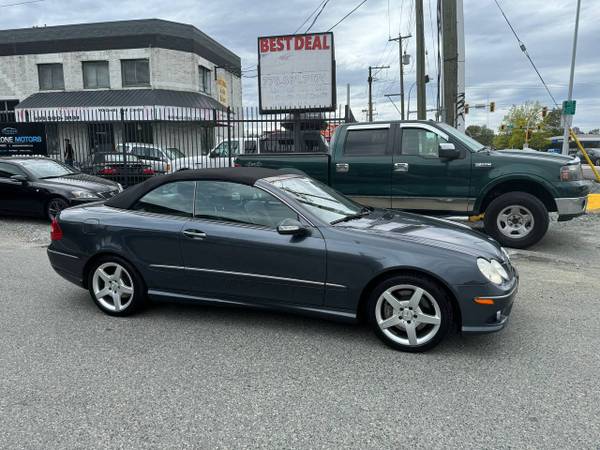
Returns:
<point x="249" y="146"/>
<point x="8" y="170"/>
<point x="233" y="202"/>
<point x="420" y="142"/>
<point x="367" y="142"/>
<point x="175" y="199"/>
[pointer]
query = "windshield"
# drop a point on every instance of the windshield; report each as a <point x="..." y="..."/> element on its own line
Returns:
<point x="467" y="140"/>
<point x="174" y="153"/>
<point x="47" y="168"/>
<point x="222" y="150"/>
<point x="319" y="199"/>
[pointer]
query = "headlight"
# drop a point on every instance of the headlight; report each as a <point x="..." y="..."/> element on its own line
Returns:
<point x="571" y="172"/>
<point x="84" y="194"/>
<point x="492" y="270"/>
<point x="120" y="187"/>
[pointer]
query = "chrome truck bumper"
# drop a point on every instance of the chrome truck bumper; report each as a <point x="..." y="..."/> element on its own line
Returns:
<point x="569" y="208"/>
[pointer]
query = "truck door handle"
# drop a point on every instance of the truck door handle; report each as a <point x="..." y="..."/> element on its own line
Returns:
<point x="194" y="234"/>
<point x="342" y="167"/>
<point x="400" y="167"/>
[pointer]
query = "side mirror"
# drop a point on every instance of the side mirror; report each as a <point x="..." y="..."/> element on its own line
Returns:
<point x="20" y="178"/>
<point x="448" y="151"/>
<point x="291" y="227"/>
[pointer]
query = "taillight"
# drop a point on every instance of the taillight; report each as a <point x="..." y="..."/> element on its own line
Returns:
<point x="56" y="233"/>
<point x="107" y="171"/>
<point x="237" y="165"/>
<point x="148" y="171"/>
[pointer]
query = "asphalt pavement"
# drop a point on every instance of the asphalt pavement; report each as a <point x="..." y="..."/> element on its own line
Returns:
<point x="181" y="376"/>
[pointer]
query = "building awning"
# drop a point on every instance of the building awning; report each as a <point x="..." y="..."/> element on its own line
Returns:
<point x="116" y="105"/>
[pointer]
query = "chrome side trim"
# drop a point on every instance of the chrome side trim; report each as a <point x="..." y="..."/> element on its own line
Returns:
<point x="461" y="204"/>
<point x="63" y="254"/>
<point x="333" y="285"/>
<point x="425" y="127"/>
<point x="237" y="303"/>
<point x="570" y="206"/>
<point x="242" y="274"/>
<point x="372" y="126"/>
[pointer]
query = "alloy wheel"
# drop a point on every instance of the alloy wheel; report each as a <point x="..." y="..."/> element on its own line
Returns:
<point x="515" y="221"/>
<point x="113" y="287"/>
<point x="408" y="315"/>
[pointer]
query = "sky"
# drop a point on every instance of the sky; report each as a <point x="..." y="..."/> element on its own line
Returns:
<point x="496" y="69"/>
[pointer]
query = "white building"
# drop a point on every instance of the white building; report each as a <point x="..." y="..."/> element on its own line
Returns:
<point x="99" y="84"/>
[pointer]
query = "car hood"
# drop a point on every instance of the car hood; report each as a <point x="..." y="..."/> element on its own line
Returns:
<point x="533" y="156"/>
<point x="426" y="230"/>
<point x="82" y="181"/>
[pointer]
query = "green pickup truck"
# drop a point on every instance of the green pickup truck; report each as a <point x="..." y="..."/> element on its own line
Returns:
<point x="433" y="168"/>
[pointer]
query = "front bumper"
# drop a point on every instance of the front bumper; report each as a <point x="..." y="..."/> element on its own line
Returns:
<point x="478" y="318"/>
<point x="569" y="208"/>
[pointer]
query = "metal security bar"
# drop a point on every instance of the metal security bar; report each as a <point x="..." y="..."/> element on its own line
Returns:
<point x="130" y="145"/>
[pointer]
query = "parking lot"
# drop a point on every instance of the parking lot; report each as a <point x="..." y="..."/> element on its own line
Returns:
<point x="197" y="376"/>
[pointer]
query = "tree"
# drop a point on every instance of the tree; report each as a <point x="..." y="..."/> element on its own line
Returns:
<point x="528" y="116"/>
<point x="481" y="134"/>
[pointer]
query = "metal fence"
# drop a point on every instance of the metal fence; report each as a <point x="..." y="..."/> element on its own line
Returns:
<point x="130" y="145"/>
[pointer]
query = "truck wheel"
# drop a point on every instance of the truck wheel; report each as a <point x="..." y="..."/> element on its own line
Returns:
<point x="516" y="219"/>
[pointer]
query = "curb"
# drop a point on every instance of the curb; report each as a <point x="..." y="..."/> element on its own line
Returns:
<point x="593" y="203"/>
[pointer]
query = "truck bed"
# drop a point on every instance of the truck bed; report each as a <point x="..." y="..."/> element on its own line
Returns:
<point x="315" y="165"/>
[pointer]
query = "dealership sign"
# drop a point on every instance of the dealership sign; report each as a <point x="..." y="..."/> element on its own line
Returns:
<point x="22" y="139"/>
<point x="115" y="114"/>
<point x="296" y="73"/>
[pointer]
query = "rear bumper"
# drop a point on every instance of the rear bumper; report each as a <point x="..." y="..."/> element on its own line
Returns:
<point x="568" y="208"/>
<point x="67" y="265"/>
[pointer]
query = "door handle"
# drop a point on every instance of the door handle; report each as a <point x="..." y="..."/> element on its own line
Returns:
<point x="194" y="234"/>
<point x="400" y="167"/>
<point x="342" y="167"/>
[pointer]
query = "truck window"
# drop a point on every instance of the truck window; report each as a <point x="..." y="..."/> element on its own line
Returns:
<point x="368" y="142"/>
<point x="420" y="142"/>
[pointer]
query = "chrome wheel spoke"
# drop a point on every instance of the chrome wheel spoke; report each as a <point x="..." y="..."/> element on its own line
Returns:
<point x="411" y="333"/>
<point x="427" y="319"/>
<point x="389" y="322"/>
<point x="102" y="292"/>
<point x="393" y="301"/>
<point x="105" y="277"/>
<point x="117" y="301"/>
<point x="125" y="289"/>
<point x="415" y="299"/>
<point x="117" y="275"/>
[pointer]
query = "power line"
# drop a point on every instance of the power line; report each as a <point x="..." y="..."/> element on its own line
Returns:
<point x="21" y="3"/>
<point x="524" y="50"/>
<point x="344" y="18"/>
<point x="317" y="16"/>
<point x="309" y="16"/>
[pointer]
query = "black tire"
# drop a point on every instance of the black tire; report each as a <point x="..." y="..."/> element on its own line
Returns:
<point x="522" y="200"/>
<point x="130" y="304"/>
<point x="393" y="335"/>
<point x="54" y="206"/>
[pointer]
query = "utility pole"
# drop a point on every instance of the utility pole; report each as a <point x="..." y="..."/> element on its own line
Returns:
<point x="450" y="60"/>
<point x="420" y="38"/>
<point x="401" y="60"/>
<point x="568" y="119"/>
<point x="370" y="80"/>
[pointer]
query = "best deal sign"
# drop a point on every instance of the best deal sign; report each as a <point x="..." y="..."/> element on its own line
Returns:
<point x="296" y="72"/>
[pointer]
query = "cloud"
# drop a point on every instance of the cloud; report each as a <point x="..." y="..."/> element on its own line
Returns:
<point x="496" y="69"/>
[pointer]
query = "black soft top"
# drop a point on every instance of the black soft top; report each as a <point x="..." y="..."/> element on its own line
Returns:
<point x="242" y="175"/>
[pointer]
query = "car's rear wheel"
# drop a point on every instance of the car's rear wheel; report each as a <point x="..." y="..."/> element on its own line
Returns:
<point x="116" y="287"/>
<point x="410" y="313"/>
<point x="516" y="219"/>
<point x="54" y="206"/>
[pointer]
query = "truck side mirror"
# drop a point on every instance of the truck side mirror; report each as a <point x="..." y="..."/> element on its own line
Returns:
<point x="447" y="150"/>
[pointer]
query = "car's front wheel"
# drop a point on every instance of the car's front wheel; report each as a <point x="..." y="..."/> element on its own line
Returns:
<point x="116" y="287"/>
<point x="516" y="219"/>
<point x="410" y="313"/>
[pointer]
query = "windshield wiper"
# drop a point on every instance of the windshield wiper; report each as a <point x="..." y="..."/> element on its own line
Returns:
<point x="359" y="215"/>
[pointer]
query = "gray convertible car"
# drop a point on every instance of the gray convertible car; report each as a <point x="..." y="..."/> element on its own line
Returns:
<point x="283" y="241"/>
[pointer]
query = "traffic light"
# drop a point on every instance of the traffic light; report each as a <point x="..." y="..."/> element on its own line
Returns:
<point x="528" y="134"/>
<point x="492" y="106"/>
<point x="544" y="112"/>
<point x="503" y="127"/>
<point x="466" y="108"/>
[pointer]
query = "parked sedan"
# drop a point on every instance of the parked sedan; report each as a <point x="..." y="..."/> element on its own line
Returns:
<point x="270" y="239"/>
<point x="116" y="167"/>
<point x="38" y="186"/>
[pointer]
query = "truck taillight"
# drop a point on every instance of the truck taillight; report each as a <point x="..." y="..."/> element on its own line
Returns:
<point x="56" y="233"/>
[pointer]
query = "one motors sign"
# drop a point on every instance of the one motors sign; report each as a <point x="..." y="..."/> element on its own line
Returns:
<point x="22" y="139"/>
<point x="296" y="73"/>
